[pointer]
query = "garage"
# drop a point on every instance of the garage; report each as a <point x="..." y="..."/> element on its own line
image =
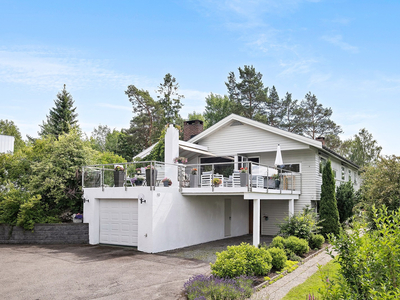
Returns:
<point x="119" y="222"/>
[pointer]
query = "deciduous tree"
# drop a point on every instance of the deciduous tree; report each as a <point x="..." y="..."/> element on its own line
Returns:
<point x="217" y="108"/>
<point x="169" y="99"/>
<point x="9" y="128"/>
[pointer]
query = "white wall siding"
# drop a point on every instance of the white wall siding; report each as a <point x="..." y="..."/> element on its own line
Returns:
<point x="6" y="144"/>
<point x="232" y="140"/>
<point x="276" y="210"/>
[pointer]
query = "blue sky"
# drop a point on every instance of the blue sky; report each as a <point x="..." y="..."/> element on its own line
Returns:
<point x="345" y="52"/>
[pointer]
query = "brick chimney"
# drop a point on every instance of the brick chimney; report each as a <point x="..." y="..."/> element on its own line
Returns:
<point x="191" y="129"/>
<point x="321" y="139"/>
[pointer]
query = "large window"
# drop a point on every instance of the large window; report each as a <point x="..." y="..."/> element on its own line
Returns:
<point x="291" y="167"/>
<point x="349" y="175"/>
<point x="343" y="174"/>
<point x="322" y="163"/>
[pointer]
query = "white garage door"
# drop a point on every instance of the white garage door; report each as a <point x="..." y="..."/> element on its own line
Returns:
<point x="119" y="222"/>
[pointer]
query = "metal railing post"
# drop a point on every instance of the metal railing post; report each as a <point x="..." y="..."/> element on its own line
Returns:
<point x="212" y="178"/>
<point x="292" y="183"/>
<point x="126" y="177"/>
<point x="280" y="179"/>
<point x="102" y="179"/>
<point x="250" y="178"/>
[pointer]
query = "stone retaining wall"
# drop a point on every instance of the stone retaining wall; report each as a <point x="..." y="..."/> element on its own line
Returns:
<point x="71" y="233"/>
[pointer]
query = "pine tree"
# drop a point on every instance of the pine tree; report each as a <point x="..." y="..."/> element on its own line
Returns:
<point x="329" y="213"/>
<point x="169" y="99"/>
<point x="62" y="117"/>
<point x="273" y="106"/>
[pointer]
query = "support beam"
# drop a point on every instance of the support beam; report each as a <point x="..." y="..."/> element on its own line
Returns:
<point x="256" y="221"/>
<point x="291" y="207"/>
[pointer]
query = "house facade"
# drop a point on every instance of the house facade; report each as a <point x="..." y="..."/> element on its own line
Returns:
<point x="195" y="209"/>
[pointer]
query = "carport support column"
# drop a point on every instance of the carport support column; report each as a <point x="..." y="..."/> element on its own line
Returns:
<point x="256" y="221"/>
<point x="291" y="207"/>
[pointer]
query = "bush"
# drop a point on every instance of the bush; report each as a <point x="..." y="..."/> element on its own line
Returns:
<point x="242" y="260"/>
<point x="291" y="256"/>
<point x="316" y="241"/>
<point x="278" y="258"/>
<point x="298" y="246"/>
<point x="203" y="287"/>
<point x="301" y="225"/>
<point x="278" y="242"/>
<point x="345" y="197"/>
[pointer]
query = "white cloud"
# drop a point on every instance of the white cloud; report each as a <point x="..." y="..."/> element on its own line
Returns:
<point x="303" y="66"/>
<point x="337" y="40"/>
<point x="51" y="68"/>
<point x="120" y="107"/>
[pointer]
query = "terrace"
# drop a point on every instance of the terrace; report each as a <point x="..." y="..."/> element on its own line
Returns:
<point x="225" y="178"/>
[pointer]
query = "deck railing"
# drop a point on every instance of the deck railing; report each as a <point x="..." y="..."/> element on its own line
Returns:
<point x="241" y="176"/>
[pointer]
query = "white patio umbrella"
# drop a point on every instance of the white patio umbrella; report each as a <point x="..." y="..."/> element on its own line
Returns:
<point x="278" y="158"/>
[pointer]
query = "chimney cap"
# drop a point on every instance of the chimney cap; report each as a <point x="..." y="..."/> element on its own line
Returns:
<point x="193" y="121"/>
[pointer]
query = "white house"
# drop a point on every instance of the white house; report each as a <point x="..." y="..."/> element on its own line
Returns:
<point x="6" y="144"/>
<point x="193" y="210"/>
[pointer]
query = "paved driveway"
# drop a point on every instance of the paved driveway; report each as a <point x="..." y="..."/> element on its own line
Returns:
<point x="92" y="272"/>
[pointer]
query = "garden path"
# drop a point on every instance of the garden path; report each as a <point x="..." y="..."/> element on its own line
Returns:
<point x="281" y="287"/>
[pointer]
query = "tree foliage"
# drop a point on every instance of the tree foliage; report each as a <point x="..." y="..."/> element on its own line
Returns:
<point x="247" y="94"/>
<point x="317" y="119"/>
<point x="345" y="197"/>
<point x="217" y="108"/>
<point x="363" y="150"/>
<point x="62" y="118"/>
<point x="381" y="184"/>
<point x="169" y="99"/>
<point x="329" y="214"/>
<point x="9" y="128"/>
<point x="290" y="115"/>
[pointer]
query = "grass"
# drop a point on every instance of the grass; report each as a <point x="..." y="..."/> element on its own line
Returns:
<point x="313" y="283"/>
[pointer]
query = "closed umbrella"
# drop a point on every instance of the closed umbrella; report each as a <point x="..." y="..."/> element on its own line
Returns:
<point x="278" y="159"/>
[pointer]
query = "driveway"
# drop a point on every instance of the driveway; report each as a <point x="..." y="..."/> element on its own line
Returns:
<point x="92" y="272"/>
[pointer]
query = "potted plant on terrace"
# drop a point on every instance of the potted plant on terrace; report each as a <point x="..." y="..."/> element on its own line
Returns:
<point x="167" y="182"/>
<point x="217" y="182"/>
<point x="137" y="180"/>
<point x="244" y="176"/>
<point x="194" y="178"/>
<point x="151" y="175"/>
<point x="180" y="160"/>
<point x="119" y="176"/>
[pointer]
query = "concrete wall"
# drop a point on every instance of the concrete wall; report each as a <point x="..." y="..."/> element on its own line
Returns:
<point x="169" y="220"/>
<point x="74" y="233"/>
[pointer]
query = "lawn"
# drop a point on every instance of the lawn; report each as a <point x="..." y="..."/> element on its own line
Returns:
<point x="313" y="283"/>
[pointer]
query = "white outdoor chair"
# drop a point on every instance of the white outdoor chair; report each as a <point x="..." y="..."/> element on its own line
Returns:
<point x="257" y="181"/>
<point x="206" y="178"/>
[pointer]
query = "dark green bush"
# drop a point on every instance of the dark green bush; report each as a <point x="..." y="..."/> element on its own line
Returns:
<point x="292" y="256"/>
<point x="298" y="246"/>
<point x="301" y="225"/>
<point x="278" y="257"/>
<point x="316" y="241"/>
<point x="242" y="260"/>
<point x="278" y="242"/>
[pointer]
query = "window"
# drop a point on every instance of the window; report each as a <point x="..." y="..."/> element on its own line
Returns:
<point x="322" y="164"/>
<point x="355" y="178"/>
<point x="291" y="167"/>
<point x="334" y="173"/>
<point x="349" y="175"/>
<point x="343" y="174"/>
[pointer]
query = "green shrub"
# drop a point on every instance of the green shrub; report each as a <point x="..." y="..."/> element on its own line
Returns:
<point x="291" y="256"/>
<point x="278" y="257"/>
<point x="278" y="242"/>
<point x="298" y="246"/>
<point x="301" y="225"/>
<point x="316" y="241"/>
<point x="242" y="260"/>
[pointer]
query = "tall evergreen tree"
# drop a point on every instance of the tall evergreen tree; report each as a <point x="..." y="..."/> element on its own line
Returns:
<point x="248" y="94"/>
<point x="317" y="119"/>
<point x="273" y="106"/>
<point x="62" y="117"/>
<point x="345" y="198"/>
<point x="169" y="99"/>
<point x="328" y="206"/>
<point x="291" y="115"/>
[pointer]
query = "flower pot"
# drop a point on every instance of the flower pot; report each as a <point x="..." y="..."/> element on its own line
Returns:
<point x="166" y="183"/>
<point x="151" y="176"/>
<point x="277" y="183"/>
<point x="244" y="179"/>
<point x="216" y="185"/>
<point x="119" y="177"/>
<point x="194" y="181"/>
<point x="138" y="183"/>
<point x="77" y="220"/>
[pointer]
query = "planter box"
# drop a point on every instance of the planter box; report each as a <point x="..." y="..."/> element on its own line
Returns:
<point x="151" y="178"/>
<point x="244" y="179"/>
<point x="119" y="177"/>
<point x="194" y="181"/>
